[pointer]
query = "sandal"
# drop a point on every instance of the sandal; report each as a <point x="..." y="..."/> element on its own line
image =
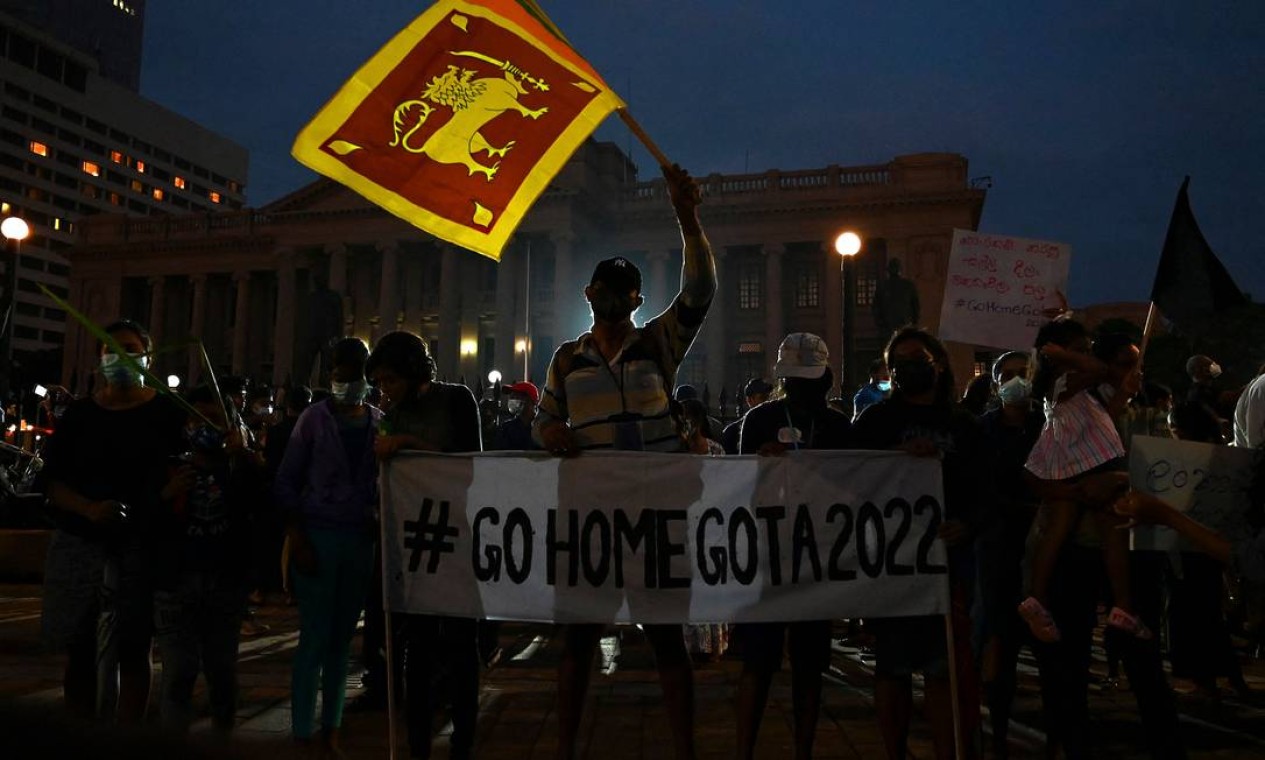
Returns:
<point x="1039" y="620"/>
<point x="1128" y="623"/>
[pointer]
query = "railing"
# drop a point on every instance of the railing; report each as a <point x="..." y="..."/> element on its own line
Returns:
<point x="772" y="181"/>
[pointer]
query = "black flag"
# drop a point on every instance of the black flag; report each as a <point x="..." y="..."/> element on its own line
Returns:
<point x="1191" y="285"/>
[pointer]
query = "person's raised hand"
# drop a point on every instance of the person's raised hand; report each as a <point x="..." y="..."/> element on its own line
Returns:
<point x="686" y="196"/>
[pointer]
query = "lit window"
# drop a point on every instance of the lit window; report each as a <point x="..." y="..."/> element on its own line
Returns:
<point x="92" y="168"/>
<point x="137" y="186"/>
<point x="215" y="197"/>
<point x="140" y="166"/>
<point x="39" y="148"/>
<point x="5" y="207"/>
<point x="178" y="182"/>
<point x="158" y="193"/>
<point x="116" y="199"/>
<point x="116" y="156"/>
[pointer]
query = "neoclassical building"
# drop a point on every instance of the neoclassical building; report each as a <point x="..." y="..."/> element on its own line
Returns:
<point x="254" y="284"/>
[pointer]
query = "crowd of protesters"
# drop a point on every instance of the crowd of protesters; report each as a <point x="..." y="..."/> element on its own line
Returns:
<point x="159" y="499"/>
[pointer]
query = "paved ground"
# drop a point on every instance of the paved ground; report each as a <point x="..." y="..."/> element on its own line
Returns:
<point x="624" y="718"/>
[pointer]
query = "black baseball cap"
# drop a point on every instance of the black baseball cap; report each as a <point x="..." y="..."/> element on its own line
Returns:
<point x="617" y="273"/>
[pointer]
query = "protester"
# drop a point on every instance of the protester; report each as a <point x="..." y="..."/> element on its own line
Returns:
<point x="1079" y="570"/>
<point x="799" y="420"/>
<point x="1079" y="443"/>
<point x="921" y="418"/>
<point x="683" y="393"/>
<point x="875" y="390"/>
<point x="427" y="415"/>
<point x="106" y="477"/>
<point x="202" y="583"/>
<point x="978" y="396"/>
<point x="1010" y="432"/>
<point x="694" y="429"/>
<point x="326" y="488"/>
<point x="704" y="641"/>
<point x="609" y="389"/>
<point x="755" y="392"/>
<point x="1249" y="415"/>
<point x="1204" y="373"/>
<point x="514" y="434"/>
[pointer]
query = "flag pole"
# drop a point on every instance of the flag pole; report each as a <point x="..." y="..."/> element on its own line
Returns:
<point x="641" y="135"/>
<point x="1146" y="331"/>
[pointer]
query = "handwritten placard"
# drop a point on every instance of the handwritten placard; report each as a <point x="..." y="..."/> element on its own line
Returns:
<point x="1208" y="482"/>
<point x="998" y="288"/>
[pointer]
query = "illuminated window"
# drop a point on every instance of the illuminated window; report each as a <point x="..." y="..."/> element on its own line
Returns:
<point x="116" y="199"/>
<point x="140" y="166"/>
<point x="137" y="186"/>
<point x="39" y="148"/>
<point x="178" y="182"/>
<point x="215" y="197"/>
<point x="92" y="168"/>
<point x="5" y="207"/>
<point x="158" y="193"/>
<point x="116" y="156"/>
<point x="57" y="223"/>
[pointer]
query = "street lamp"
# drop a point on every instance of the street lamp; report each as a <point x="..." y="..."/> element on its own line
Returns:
<point x="15" y="229"/>
<point x="848" y="245"/>
<point x="521" y="348"/>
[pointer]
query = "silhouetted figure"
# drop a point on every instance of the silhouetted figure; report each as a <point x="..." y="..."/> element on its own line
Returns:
<point x="895" y="301"/>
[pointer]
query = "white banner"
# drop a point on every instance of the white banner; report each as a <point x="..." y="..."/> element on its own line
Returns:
<point x="1208" y="482"/>
<point x="998" y="287"/>
<point x="664" y="538"/>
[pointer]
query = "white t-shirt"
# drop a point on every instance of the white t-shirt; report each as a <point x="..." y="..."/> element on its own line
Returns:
<point x="1249" y="416"/>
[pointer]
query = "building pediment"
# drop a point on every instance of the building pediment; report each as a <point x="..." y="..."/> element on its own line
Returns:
<point x="322" y="194"/>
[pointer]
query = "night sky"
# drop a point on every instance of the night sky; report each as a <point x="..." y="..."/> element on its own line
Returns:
<point x="1086" y="115"/>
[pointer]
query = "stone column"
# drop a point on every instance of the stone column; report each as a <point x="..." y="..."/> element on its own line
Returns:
<point x="389" y="287"/>
<point x="283" y="331"/>
<point x="196" y="324"/>
<point x="509" y="283"/>
<point x="157" y="313"/>
<point x="717" y="348"/>
<point x="337" y="268"/>
<point x="449" y="359"/>
<point x="567" y="298"/>
<point x="657" y="287"/>
<point x="774" y="329"/>
<point x="241" y="319"/>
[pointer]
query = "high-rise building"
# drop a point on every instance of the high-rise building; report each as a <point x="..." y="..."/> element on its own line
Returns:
<point x="110" y="32"/>
<point x="74" y="143"/>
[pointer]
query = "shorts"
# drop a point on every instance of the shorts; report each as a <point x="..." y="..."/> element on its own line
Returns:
<point x="761" y="645"/>
<point x="74" y="570"/>
<point x="906" y="645"/>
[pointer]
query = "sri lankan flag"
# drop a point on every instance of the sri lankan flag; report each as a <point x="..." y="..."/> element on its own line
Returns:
<point x="460" y="122"/>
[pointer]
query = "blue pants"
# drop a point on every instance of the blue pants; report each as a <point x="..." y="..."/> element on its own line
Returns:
<point x="330" y="603"/>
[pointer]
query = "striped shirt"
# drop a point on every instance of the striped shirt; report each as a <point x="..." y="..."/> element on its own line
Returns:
<point x="1078" y="436"/>
<point x="596" y="397"/>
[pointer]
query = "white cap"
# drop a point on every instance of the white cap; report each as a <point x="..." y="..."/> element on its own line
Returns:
<point x="802" y="355"/>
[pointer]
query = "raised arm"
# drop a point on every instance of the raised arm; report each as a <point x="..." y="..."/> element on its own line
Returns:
<point x="698" y="270"/>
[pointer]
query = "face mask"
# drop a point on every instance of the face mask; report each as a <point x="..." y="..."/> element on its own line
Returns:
<point x="349" y="394"/>
<point x="914" y="376"/>
<point x="122" y="374"/>
<point x="1015" y="391"/>
<point x="205" y="438"/>
<point x="885" y="385"/>
<point x="611" y="307"/>
<point x="514" y="405"/>
<point x="1214" y="369"/>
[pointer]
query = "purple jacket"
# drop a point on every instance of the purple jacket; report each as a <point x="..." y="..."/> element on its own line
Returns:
<point x="315" y="479"/>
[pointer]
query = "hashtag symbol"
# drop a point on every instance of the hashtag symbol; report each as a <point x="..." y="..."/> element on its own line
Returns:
<point x="428" y="532"/>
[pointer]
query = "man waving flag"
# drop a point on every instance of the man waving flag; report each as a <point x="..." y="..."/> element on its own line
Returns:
<point x="460" y="122"/>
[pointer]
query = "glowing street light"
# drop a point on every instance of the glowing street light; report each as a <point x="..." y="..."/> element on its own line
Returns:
<point x="15" y="228"/>
<point x="494" y="377"/>
<point x="173" y="381"/>
<point x="848" y="245"/>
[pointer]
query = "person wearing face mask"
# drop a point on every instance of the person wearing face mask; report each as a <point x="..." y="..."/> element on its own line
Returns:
<point x="610" y="389"/>
<point x="875" y="390"/>
<point x="202" y="584"/>
<point x="922" y="419"/>
<point x="326" y="487"/>
<point x="1010" y="431"/>
<point x="799" y="420"/>
<point x="106" y="478"/>
<point x="425" y="414"/>
<point x="515" y="433"/>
